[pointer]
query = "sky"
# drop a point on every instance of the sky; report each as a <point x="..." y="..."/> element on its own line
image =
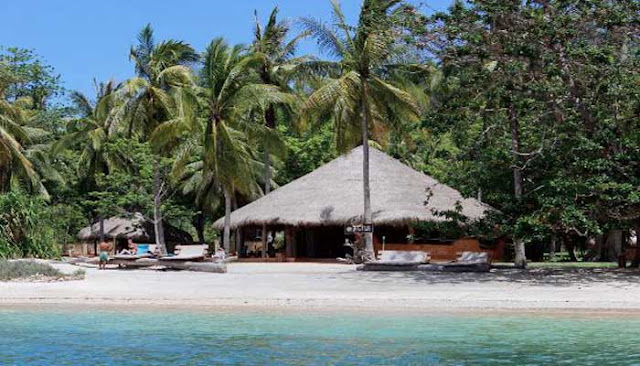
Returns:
<point x="86" y="39"/>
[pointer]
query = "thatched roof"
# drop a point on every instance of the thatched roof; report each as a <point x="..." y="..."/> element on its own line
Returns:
<point x="133" y="226"/>
<point x="332" y="195"/>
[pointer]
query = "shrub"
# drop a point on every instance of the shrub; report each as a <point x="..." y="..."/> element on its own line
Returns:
<point x="24" y="230"/>
<point x="11" y="270"/>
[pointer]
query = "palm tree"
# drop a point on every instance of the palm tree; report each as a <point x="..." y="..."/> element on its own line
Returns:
<point x="16" y="139"/>
<point x="231" y="94"/>
<point x="153" y="104"/>
<point x="95" y="130"/>
<point x="275" y="65"/>
<point x="360" y="93"/>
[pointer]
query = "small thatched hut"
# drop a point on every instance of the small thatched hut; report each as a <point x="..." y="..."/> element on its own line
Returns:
<point x="118" y="229"/>
<point x="315" y="209"/>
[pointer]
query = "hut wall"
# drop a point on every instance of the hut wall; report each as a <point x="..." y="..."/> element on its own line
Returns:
<point x="445" y="251"/>
<point x="320" y="242"/>
<point x="79" y="249"/>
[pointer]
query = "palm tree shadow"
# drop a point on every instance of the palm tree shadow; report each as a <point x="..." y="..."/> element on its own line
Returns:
<point x="560" y="277"/>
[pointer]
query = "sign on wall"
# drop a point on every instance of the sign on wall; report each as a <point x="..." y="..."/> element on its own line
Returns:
<point x="358" y="229"/>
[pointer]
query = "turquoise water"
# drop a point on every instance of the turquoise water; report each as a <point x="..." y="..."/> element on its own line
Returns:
<point x="75" y="337"/>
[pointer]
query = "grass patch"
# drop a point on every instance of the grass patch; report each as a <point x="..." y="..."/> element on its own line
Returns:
<point x="568" y="265"/>
<point x="572" y="265"/>
<point x="25" y="270"/>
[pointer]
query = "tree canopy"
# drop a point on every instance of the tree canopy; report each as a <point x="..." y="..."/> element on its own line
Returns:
<point x="530" y="105"/>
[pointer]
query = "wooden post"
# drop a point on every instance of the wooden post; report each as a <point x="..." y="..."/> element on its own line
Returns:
<point x="240" y="241"/>
<point x="265" y="233"/>
<point x="289" y="238"/>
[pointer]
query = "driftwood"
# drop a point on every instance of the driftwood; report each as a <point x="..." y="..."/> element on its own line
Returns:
<point x="212" y="267"/>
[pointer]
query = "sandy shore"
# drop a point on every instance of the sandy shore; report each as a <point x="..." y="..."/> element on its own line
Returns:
<point x="338" y="287"/>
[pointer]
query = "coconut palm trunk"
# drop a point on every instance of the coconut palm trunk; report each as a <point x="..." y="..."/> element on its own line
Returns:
<point x="198" y="223"/>
<point x="101" y="229"/>
<point x="267" y="189"/>
<point x="158" y="227"/>
<point x="226" y="236"/>
<point x="366" y="189"/>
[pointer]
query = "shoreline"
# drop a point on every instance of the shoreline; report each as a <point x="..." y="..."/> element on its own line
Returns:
<point x="337" y="288"/>
<point x="313" y="307"/>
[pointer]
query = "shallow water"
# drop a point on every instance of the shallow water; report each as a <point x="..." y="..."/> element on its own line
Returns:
<point x="72" y="337"/>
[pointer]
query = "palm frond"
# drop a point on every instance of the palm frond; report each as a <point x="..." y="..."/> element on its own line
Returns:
<point x="82" y="103"/>
<point x="328" y="41"/>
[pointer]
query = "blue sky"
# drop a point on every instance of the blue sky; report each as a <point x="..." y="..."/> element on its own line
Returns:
<point x="85" y="39"/>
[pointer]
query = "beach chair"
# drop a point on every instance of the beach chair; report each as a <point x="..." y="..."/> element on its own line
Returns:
<point x="188" y="253"/>
<point x="396" y="260"/>
<point x="399" y="257"/>
<point x="474" y="258"/>
<point x="144" y="251"/>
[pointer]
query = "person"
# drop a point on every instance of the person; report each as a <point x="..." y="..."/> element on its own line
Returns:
<point x="132" y="248"/>
<point x="104" y="255"/>
<point x="220" y="255"/>
<point x="270" y="250"/>
<point x="156" y="252"/>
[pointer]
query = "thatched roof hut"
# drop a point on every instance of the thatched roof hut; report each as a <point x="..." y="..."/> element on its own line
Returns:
<point x="332" y="195"/>
<point x="134" y="227"/>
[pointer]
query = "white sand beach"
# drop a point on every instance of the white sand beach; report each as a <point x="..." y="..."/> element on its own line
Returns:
<point x="329" y="287"/>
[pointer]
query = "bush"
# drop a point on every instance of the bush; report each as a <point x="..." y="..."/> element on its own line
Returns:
<point x="24" y="230"/>
<point x="11" y="270"/>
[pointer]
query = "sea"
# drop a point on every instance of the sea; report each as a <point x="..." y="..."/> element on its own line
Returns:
<point x="79" y="336"/>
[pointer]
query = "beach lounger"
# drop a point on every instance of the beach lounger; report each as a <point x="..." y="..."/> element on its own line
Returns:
<point x="399" y="257"/>
<point x="188" y="253"/>
<point x="396" y="260"/>
<point x="144" y="251"/>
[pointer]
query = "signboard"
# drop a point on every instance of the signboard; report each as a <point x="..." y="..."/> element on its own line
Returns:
<point x="358" y="229"/>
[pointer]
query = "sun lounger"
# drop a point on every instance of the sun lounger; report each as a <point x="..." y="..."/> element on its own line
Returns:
<point x="188" y="253"/>
<point x="396" y="260"/>
<point x="473" y="258"/>
<point x="144" y="251"/>
<point x="398" y="257"/>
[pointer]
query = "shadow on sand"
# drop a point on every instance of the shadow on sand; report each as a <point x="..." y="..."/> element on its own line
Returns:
<point x="555" y="276"/>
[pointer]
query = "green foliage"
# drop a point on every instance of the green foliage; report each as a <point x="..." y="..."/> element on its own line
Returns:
<point x="565" y="78"/>
<point x="24" y="230"/>
<point x="279" y="241"/>
<point x="23" y="74"/>
<point x="306" y="152"/>
<point x="546" y="91"/>
<point x="26" y="121"/>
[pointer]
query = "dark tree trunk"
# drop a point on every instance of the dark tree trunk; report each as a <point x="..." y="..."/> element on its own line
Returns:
<point x="520" y="259"/>
<point x="552" y="247"/>
<point x="157" y="207"/>
<point x="101" y="235"/>
<point x="198" y="223"/>
<point x="612" y="245"/>
<point x="236" y="234"/>
<point x="572" y="252"/>
<point x="226" y="236"/>
<point x="593" y="248"/>
<point x="635" y="262"/>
